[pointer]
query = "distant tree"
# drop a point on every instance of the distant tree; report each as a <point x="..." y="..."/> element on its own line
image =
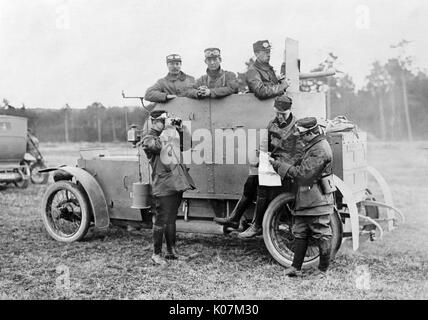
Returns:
<point x="379" y="83"/>
<point x="403" y="64"/>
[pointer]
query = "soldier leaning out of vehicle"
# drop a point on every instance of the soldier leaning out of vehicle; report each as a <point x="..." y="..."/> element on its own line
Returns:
<point x="282" y="144"/>
<point x="314" y="197"/>
<point x="217" y="83"/>
<point x="261" y="78"/>
<point x="169" y="180"/>
<point x="175" y="84"/>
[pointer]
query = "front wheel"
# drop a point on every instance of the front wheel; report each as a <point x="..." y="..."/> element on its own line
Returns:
<point x="65" y="211"/>
<point x="278" y="236"/>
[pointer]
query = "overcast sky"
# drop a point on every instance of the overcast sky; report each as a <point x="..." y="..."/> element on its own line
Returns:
<point x="54" y="52"/>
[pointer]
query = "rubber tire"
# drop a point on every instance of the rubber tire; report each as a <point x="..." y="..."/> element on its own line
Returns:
<point x="37" y="166"/>
<point x="80" y="194"/>
<point x="280" y="200"/>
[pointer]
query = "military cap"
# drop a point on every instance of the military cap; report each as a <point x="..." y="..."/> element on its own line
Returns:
<point x="173" y="58"/>
<point x="261" y="45"/>
<point x="158" y="114"/>
<point x="212" y="52"/>
<point x="306" y="124"/>
<point x="283" y="103"/>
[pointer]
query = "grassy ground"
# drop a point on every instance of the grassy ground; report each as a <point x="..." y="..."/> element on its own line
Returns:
<point x="116" y="264"/>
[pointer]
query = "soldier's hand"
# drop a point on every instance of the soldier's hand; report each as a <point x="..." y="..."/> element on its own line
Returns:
<point x="171" y="96"/>
<point x="207" y="92"/>
<point x="275" y="164"/>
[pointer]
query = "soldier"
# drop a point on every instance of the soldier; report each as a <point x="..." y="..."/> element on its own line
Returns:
<point x="175" y="84"/>
<point x="314" y="197"/>
<point x="168" y="186"/>
<point x="217" y="83"/>
<point x="282" y="144"/>
<point x="261" y="78"/>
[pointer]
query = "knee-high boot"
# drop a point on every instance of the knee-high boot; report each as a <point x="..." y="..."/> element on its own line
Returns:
<point x="157" y="245"/>
<point x="170" y="236"/>
<point x="324" y="246"/>
<point x="300" y="247"/>
<point x="233" y="221"/>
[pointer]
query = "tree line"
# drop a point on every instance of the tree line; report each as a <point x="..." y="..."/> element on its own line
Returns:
<point x="392" y="105"/>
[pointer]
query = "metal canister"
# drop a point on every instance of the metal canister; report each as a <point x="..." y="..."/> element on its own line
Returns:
<point x="141" y="195"/>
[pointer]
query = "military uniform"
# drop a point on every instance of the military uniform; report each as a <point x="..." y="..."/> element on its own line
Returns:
<point x="169" y="181"/>
<point x="261" y="78"/>
<point x="172" y="84"/>
<point x="220" y="82"/>
<point x="312" y="205"/>
<point x="283" y="145"/>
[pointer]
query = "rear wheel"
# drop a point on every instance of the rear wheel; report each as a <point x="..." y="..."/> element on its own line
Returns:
<point x="278" y="236"/>
<point x="36" y="176"/>
<point x="65" y="211"/>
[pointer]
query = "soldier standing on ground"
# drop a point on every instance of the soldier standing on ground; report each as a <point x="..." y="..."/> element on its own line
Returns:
<point x="217" y="83"/>
<point x="168" y="186"/>
<point x="175" y="84"/>
<point x="314" y="200"/>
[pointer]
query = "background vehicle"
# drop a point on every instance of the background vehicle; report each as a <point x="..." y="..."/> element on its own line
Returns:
<point x="13" y="140"/>
<point x="105" y="189"/>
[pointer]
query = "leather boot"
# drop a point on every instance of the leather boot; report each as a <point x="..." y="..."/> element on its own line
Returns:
<point x="324" y="246"/>
<point x="157" y="245"/>
<point x="300" y="246"/>
<point x="237" y="213"/>
<point x="171" y="251"/>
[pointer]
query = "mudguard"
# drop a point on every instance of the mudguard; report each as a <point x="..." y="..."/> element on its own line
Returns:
<point x="387" y="194"/>
<point x="93" y="190"/>
<point x="353" y="210"/>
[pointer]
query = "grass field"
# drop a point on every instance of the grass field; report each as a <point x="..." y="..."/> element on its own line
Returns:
<point x="116" y="264"/>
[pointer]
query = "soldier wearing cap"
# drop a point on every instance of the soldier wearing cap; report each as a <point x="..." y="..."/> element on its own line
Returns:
<point x="175" y="84"/>
<point x="261" y="78"/>
<point x="314" y="201"/>
<point x="217" y="83"/>
<point x="282" y="145"/>
<point x="168" y="186"/>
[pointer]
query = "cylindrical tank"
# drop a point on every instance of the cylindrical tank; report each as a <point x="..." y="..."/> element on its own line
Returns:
<point x="13" y="138"/>
<point x="141" y="195"/>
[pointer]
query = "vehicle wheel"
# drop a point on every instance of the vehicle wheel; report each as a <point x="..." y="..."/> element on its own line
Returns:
<point x="278" y="236"/>
<point x="36" y="177"/>
<point x="25" y="175"/>
<point x="65" y="211"/>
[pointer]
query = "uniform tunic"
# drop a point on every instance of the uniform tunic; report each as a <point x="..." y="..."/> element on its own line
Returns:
<point x="171" y="84"/>
<point x="220" y="82"/>
<point x="262" y="81"/>
<point x="312" y="207"/>
<point x="315" y="164"/>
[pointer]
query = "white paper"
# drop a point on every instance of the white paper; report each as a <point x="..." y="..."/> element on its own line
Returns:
<point x="267" y="175"/>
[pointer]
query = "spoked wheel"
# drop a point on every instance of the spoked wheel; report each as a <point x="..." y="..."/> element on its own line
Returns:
<point x="36" y="176"/>
<point x="65" y="211"/>
<point x="24" y="171"/>
<point x="278" y="236"/>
